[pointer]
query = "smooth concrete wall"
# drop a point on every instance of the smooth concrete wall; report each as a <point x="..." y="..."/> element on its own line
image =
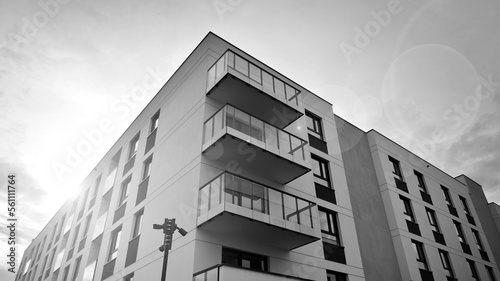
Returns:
<point x="485" y="216"/>
<point x="376" y="246"/>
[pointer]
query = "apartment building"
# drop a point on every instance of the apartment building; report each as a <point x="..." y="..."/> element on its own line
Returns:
<point x="415" y="222"/>
<point x="247" y="161"/>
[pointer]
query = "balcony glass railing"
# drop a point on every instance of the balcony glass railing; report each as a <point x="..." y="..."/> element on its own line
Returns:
<point x="255" y="73"/>
<point x="255" y="129"/>
<point x="238" y="191"/>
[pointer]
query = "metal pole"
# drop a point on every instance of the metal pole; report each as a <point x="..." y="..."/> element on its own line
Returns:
<point x="165" y="260"/>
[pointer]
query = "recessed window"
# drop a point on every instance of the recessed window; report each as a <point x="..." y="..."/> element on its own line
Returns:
<point x="329" y="226"/>
<point x="396" y="168"/>
<point x="314" y="125"/>
<point x="77" y="268"/>
<point x="129" y="277"/>
<point x="465" y="206"/>
<point x="420" y="255"/>
<point x="77" y="229"/>
<point x="154" y="122"/>
<point x="96" y="186"/>
<point x="431" y="215"/>
<point x="136" y="231"/>
<point x="407" y="209"/>
<point x="124" y="191"/>
<point x="421" y="181"/>
<point x="134" y="144"/>
<point x="491" y="274"/>
<point x="447" y="196"/>
<point x="335" y="276"/>
<point x="147" y="168"/>
<point x="477" y="238"/>
<point x="87" y="225"/>
<point x="115" y="242"/>
<point x="321" y="171"/>
<point x="445" y="261"/>
<point x="460" y="232"/>
<point x="243" y="259"/>
<point x="473" y="269"/>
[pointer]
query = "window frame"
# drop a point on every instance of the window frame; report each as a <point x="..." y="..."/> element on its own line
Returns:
<point x="421" y="181"/>
<point x="491" y="273"/>
<point x="114" y="244"/>
<point x="136" y="227"/>
<point x="155" y="120"/>
<point x="447" y="196"/>
<point x="240" y="257"/>
<point x="477" y="239"/>
<point x="431" y="216"/>
<point x="146" y="168"/>
<point x="339" y="276"/>
<point x="133" y="146"/>
<point x="396" y="168"/>
<point x="333" y="226"/>
<point x="473" y="269"/>
<point x="465" y="206"/>
<point x="460" y="232"/>
<point x="77" y="268"/>
<point x="129" y="277"/>
<point x="418" y="248"/>
<point x="324" y="168"/>
<point x="317" y="126"/>
<point x="446" y="263"/>
<point x="408" y="209"/>
<point x="124" y="191"/>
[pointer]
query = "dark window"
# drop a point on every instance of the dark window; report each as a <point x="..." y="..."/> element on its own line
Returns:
<point x="134" y="144"/>
<point x="66" y="273"/>
<point x="124" y="191"/>
<point x="154" y="122"/>
<point x="431" y="215"/>
<point x="147" y="168"/>
<point x="447" y="196"/>
<point x="491" y="274"/>
<point x="473" y="269"/>
<point x="314" y="125"/>
<point x="329" y="226"/>
<point x="129" y="277"/>
<point x="335" y="276"/>
<point x="477" y="238"/>
<point x="420" y="255"/>
<point x="321" y="171"/>
<point x="421" y="182"/>
<point x="445" y="261"/>
<point x="408" y="211"/>
<point x="396" y="168"/>
<point x="465" y="206"/>
<point x="460" y="232"/>
<point x="77" y="268"/>
<point x="243" y="259"/>
<point x="137" y="223"/>
<point x="114" y="244"/>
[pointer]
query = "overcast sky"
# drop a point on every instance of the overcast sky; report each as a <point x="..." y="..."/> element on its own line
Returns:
<point x="423" y="73"/>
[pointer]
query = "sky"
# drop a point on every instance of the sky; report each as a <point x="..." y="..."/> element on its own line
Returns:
<point x="426" y="74"/>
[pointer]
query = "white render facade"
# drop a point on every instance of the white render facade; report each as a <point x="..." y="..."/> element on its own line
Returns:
<point x="247" y="161"/>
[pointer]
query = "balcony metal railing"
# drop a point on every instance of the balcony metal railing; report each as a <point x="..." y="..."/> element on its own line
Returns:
<point x="255" y="129"/>
<point x="228" y="272"/>
<point x="255" y="73"/>
<point x="238" y="191"/>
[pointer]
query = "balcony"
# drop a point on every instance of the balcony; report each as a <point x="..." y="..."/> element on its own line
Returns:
<point x="233" y="79"/>
<point x="237" y="207"/>
<point x="233" y="135"/>
<point x="223" y="272"/>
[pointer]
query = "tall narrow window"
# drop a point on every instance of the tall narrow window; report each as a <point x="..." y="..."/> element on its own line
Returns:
<point x="87" y="225"/>
<point x="447" y="196"/>
<point x="396" y="168"/>
<point x="154" y="122"/>
<point x="321" y="171"/>
<point x="407" y="209"/>
<point x="314" y="125"/>
<point x="147" y="168"/>
<point x="491" y="274"/>
<point x="420" y="255"/>
<point x="473" y="269"/>
<point x="77" y="229"/>
<point x="134" y="144"/>
<point x="96" y="186"/>
<point x="137" y="223"/>
<point x="445" y="261"/>
<point x="77" y="268"/>
<point x="66" y="273"/>
<point x="329" y="226"/>
<point x="477" y="238"/>
<point x="460" y="232"/>
<point x="431" y="215"/>
<point x="115" y="242"/>
<point x="421" y="181"/>
<point x="124" y="192"/>
<point x="465" y="206"/>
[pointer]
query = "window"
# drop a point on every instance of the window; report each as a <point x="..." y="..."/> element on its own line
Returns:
<point x="77" y="268"/>
<point x="147" y="168"/>
<point x="68" y="223"/>
<point x="477" y="238"/>
<point x="66" y="273"/>
<point x="465" y="206"/>
<point x="129" y="277"/>
<point x="77" y="229"/>
<point x="321" y="171"/>
<point x="134" y="144"/>
<point x="421" y="182"/>
<point x="124" y="192"/>
<point x="491" y="274"/>
<point x="407" y="210"/>
<point x="447" y="196"/>
<point x="445" y="261"/>
<point x="396" y="168"/>
<point x="420" y="254"/>
<point x="114" y="244"/>
<point x="473" y="269"/>
<point x="96" y="186"/>
<point x="136" y="231"/>
<point x="460" y="232"/>
<point x="243" y="259"/>
<point x="154" y="122"/>
<point x="335" y="276"/>
<point x="329" y="226"/>
<point x="314" y="125"/>
<point x="59" y="260"/>
<point x="431" y="215"/>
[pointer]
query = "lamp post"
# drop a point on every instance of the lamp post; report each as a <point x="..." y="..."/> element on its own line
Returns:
<point x="168" y="227"/>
